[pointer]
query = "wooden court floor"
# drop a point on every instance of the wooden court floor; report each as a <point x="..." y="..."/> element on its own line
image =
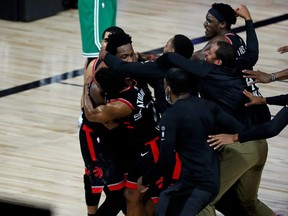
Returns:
<point x="41" y="83"/>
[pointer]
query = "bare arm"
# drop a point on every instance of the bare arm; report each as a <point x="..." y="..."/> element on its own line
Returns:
<point x="263" y="77"/>
<point x="88" y="72"/>
<point x="104" y="113"/>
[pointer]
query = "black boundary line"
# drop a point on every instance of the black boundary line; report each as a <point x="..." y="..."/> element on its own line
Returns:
<point x="79" y="72"/>
<point x="71" y="84"/>
<point x="237" y="30"/>
<point x="43" y="82"/>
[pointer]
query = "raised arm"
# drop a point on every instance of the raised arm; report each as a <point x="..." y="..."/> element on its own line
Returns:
<point x="242" y="11"/>
<point x="250" y="57"/>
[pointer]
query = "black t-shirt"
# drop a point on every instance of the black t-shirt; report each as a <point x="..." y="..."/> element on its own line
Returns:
<point x="184" y="128"/>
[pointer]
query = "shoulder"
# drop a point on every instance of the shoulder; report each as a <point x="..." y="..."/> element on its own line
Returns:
<point x="233" y="38"/>
<point x="217" y="38"/>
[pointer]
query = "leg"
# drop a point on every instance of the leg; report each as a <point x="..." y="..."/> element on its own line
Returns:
<point x="92" y="200"/>
<point x="248" y="184"/>
<point x="113" y="204"/>
<point x="229" y="204"/>
<point x="196" y="201"/>
<point x="134" y="201"/>
<point x="149" y="207"/>
<point x="179" y="200"/>
<point x="235" y="161"/>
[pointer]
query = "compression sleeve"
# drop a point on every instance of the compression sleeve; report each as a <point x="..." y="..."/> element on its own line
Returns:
<point x="250" y="57"/>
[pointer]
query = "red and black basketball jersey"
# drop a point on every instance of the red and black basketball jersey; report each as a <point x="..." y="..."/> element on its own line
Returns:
<point x="142" y="124"/>
<point x="237" y="42"/>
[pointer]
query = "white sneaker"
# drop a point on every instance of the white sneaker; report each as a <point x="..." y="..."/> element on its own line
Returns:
<point x="80" y="119"/>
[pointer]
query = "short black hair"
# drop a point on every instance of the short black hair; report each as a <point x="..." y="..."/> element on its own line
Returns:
<point x="183" y="45"/>
<point x="227" y="53"/>
<point x="117" y="40"/>
<point x="179" y="80"/>
<point x="113" y="30"/>
<point x="110" y="82"/>
<point x="227" y="12"/>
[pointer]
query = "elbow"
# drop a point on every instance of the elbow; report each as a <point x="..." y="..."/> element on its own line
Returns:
<point x="274" y="131"/>
<point x="88" y="115"/>
<point x="251" y="61"/>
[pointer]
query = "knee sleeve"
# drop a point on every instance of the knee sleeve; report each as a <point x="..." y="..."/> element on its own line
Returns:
<point x="90" y="198"/>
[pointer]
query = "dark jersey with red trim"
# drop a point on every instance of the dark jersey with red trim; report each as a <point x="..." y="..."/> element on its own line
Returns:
<point x="237" y="42"/>
<point x="241" y="48"/>
<point x="247" y="57"/>
<point x="142" y="124"/>
<point x="107" y="138"/>
<point x="99" y="127"/>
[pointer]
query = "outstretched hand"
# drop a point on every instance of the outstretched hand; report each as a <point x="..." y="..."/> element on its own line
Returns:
<point x="258" y="76"/>
<point x="282" y="49"/>
<point x="254" y="100"/>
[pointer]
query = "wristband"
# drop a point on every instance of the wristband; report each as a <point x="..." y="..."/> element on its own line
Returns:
<point x="273" y="77"/>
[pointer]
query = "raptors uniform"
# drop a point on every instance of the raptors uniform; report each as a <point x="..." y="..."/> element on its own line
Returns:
<point x="142" y="129"/>
<point x="101" y="165"/>
<point x="95" y="16"/>
<point x="238" y="43"/>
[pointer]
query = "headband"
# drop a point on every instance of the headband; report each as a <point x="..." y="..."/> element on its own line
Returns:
<point x="217" y="15"/>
